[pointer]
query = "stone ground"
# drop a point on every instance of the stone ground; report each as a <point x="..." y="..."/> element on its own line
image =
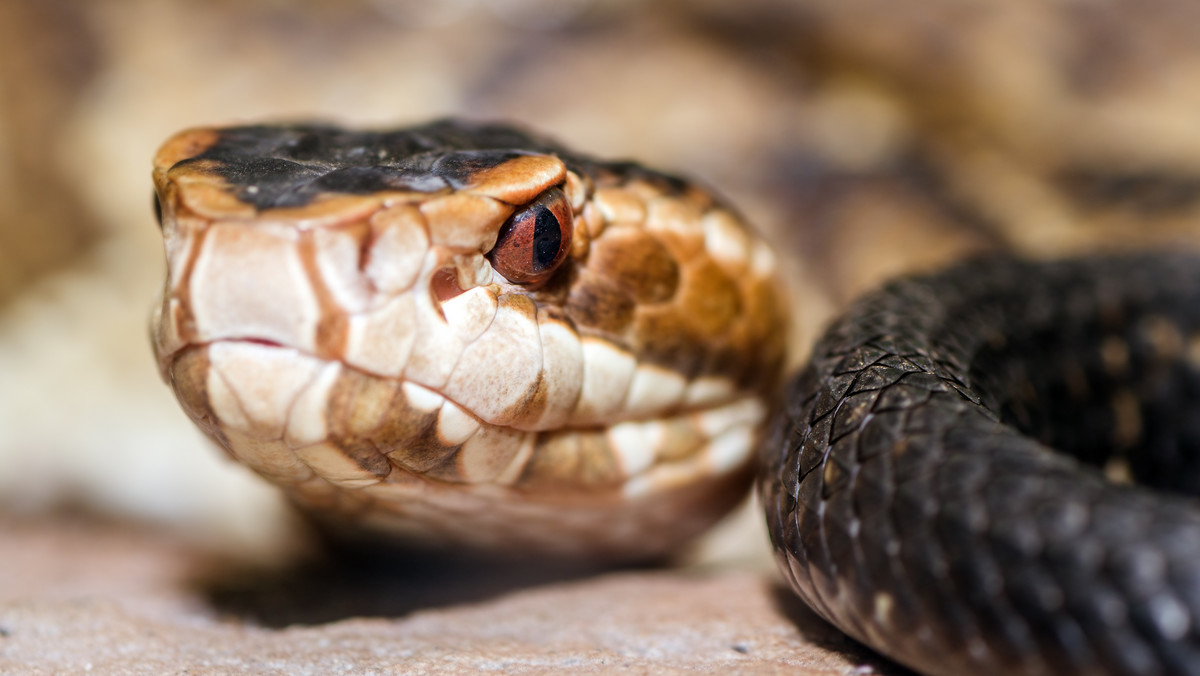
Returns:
<point x="84" y="596"/>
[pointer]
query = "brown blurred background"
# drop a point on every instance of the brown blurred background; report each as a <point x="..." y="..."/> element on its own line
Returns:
<point x="865" y="137"/>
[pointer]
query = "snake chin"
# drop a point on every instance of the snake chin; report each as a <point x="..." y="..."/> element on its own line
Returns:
<point x="338" y="439"/>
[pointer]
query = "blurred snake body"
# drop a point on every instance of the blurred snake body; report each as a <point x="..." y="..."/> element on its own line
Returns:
<point x="467" y="334"/>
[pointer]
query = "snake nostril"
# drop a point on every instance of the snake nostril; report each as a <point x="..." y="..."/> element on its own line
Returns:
<point x="444" y="285"/>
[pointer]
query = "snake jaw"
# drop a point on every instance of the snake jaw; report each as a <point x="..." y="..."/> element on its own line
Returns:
<point x="361" y="350"/>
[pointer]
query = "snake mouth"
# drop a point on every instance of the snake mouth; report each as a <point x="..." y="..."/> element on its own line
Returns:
<point x="259" y="341"/>
<point x="391" y="456"/>
<point x="278" y="409"/>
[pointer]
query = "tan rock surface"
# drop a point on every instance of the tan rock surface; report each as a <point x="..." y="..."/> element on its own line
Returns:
<point x="83" y="597"/>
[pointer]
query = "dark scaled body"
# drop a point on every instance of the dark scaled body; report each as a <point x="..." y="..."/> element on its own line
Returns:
<point x="935" y="485"/>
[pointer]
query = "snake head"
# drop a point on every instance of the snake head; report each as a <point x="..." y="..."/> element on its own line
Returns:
<point x="462" y="330"/>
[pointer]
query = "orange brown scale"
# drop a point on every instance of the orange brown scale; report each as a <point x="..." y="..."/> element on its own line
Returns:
<point x="638" y="264"/>
<point x="599" y="305"/>
<point x="469" y="334"/>
<point x="189" y="379"/>
<point x="665" y="340"/>
<point x="573" y="461"/>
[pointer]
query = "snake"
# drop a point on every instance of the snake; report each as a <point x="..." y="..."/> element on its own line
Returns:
<point x="464" y="334"/>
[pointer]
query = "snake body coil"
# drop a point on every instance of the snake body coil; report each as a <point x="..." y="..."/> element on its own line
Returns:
<point x="914" y="499"/>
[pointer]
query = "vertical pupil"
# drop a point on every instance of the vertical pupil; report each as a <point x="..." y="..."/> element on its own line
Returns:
<point x="547" y="238"/>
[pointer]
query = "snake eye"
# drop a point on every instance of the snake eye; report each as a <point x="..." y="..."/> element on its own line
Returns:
<point x="535" y="240"/>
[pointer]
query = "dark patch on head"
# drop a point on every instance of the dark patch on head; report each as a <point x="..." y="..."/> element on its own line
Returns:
<point x="597" y="305"/>
<point x="362" y="180"/>
<point x="458" y="168"/>
<point x="290" y="165"/>
<point x="629" y="171"/>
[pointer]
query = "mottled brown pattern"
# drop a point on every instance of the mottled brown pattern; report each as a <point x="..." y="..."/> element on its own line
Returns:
<point x="189" y="379"/>
<point x="370" y="421"/>
<point x="367" y="456"/>
<point x="597" y="305"/>
<point x="563" y="463"/>
<point x="636" y="262"/>
<point x="396" y="429"/>
<point x="360" y="404"/>
<point x="663" y="338"/>
<point x="682" y="439"/>
<point x="759" y="332"/>
<point x="447" y="468"/>
<point x="416" y="452"/>
<point x="709" y="302"/>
